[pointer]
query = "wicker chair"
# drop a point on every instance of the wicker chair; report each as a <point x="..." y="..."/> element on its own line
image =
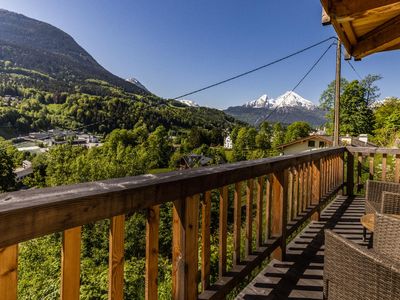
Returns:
<point x="353" y="272"/>
<point x="374" y="193"/>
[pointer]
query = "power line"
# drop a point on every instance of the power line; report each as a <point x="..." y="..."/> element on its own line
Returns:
<point x="300" y="81"/>
<point x="256" y="69"/>
<point x="354" y="69"/>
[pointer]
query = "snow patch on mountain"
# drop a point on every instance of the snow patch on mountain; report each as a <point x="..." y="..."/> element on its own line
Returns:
<point x="288" y="99"/>
<point x="189" y="103"/>
<point x="137" y="83"/>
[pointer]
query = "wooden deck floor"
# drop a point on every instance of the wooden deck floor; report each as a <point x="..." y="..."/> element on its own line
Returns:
<point x="300" y="275"/>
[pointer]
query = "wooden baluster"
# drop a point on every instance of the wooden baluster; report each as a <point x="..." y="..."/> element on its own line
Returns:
<point x="295" y="192"/>
<point x="309" y="194"/>
<point x="384" y="165"/>
<point x="290" y="195"/>
<point x="397" y="169"/>
<point x="223" y="229"/>
<point x="279" y="209"/>
<point x="8" y="272"/>
<point x="249" y="217"/>
<point x="301" y="189"/>
<point x="305" y="188"/>
<point x="316" y="182"/>
<point x="152" y="227"/>
<point x="371" y="166"/>
<point x="205" y="240"/>
<point x="359" y="169"/>
<point x="268" y="196"/>
<point x="259" y="219"/>
<point x="350" y="174"/>
<point x="71" y="264"/>
<point x="185" y="248"/>
<point x="237" y="222"/>
<point x="322" y="177"/>
<point x="116" y="258"/>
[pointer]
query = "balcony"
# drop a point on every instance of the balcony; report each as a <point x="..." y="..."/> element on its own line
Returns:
<point x="280" y="207"/>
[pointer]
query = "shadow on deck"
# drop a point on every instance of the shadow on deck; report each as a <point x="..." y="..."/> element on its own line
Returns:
<point x="299" y="276"/>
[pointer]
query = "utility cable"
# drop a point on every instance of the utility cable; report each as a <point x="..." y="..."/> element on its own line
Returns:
<point x="256" y="69"/>
<point x="300" y="81"/>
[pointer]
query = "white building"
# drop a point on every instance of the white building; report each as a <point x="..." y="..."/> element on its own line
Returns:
<point x="228" y="142"/>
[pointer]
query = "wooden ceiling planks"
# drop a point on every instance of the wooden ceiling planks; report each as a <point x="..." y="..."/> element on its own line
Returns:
<point x="365" y="27"/>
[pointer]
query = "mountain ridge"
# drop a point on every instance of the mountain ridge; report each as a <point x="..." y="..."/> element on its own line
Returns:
<point x="35" y="45"/>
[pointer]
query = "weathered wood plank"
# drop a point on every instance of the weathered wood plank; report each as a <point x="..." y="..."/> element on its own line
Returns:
<point x="71" y="264"/>
<point x="185" y="248"/>
<point x="384" y="166"/>
<point x="8" y="272"/>
<point x="223" y="230"/>
<point x="295" y="192"/>
<point x="397" y="169"/>
<point x="371" y="166"/>
<point x="205" y="240"/>
<point x="116" y="258"/>
<point x="268" y="196"/>
<point x="152" y="227"/>
<point x="249" y="216"/>
<point x="237" y="222"/>
<point x="368" y="150"/>
<point x="289" y="192"/>
<point x="26" y="215"/>
<point x="350" y="174"/>
<point x="259" y="212"/>
<point x="277" y="208"/>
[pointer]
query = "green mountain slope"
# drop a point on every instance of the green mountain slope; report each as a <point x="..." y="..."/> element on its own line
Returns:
<point x="59" y="62"/>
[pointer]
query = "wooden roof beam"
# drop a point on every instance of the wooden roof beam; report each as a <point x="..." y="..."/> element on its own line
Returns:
<point x="381" y="38"/>
<point x="342" y="9"/>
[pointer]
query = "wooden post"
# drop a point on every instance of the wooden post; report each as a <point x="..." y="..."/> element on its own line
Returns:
<point x="152" y="226"/>
<point x="185" y="248"/>
<point x="249" y="217"/>
<point x="384" y="165"/>
<point x="397" y="169"/>
<point x="316" y="187"/>
<point x="279" y="211"/>
<point x="237" y="223"/>
<point x="268" y="195"/>
<point x="223" y="229"/>
<point x="371" y="166"/>
<point x="259" y="213"/>
<point x="295" y="191"/>
<point x="350" y="174"/>
<point x="71" y="264"/>
<point x="116" y="258"/>
<point x="8" y="272"/>
<point x="359" y="165"/>
<point x="337" y="94"/>
<point x="205" y="240"/>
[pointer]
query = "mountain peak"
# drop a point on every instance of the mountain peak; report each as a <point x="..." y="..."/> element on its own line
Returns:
<point x="190" y="103"/>
<point x="288" y="99"/>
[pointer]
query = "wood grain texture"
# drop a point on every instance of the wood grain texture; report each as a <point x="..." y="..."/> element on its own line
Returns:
<point x="249" y="217"/>
<point x="71" y="264"/>
<point x="223" y="230"/>
<point x="185" y="248"/>
<point x="116" y="258"/>
<point x="8" y="272"/>
<point x="259" y="212"/>
<point x="350" y="174"/>
<point x="26" y="215"/>
<point x="237" y="222"/>
<point x="152" y="241"/>
<point x="371" y="166"/>
<point x="397" y="168"/>
<point x="205" y="240"/>
<point x="384" y="166"/>
<point x="268" y="197"/>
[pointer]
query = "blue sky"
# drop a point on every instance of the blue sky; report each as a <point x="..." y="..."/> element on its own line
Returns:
<point x="175" y="46"/>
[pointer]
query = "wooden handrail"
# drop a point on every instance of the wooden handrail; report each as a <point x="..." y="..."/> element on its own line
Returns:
<point x="281" y="194"/>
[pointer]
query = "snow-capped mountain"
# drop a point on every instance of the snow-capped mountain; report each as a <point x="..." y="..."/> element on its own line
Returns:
<point x="292" y="99"/>
<point x="263" y="102"/>
<point x="287" y="108"/>
<point x="288" y="99"/>
<point x="189" y="103"/>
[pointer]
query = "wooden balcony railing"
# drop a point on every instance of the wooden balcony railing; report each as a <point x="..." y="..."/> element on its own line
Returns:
<point x="372" y="163"/>
<point x="282" y="194"/>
